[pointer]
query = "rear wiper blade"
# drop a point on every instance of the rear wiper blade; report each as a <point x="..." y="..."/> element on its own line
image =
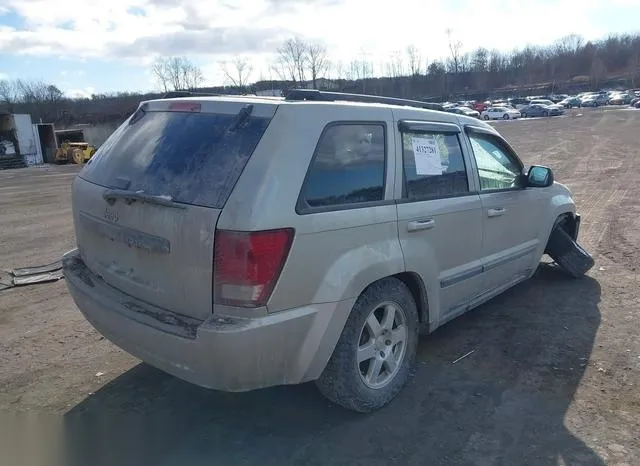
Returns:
<point x="112" y="195"/>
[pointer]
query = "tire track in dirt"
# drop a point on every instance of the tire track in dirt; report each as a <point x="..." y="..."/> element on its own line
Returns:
<point x="603" y="196"/>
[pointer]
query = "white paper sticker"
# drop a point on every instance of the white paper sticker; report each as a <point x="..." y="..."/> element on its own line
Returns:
<point x="427" y="155"/>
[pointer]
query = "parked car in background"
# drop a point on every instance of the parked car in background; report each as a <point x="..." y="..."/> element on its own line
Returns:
<point x="546" y="103"/>
<point x="464" y="111"/>
<point x="634" y="101"/>
<point x="557" y="98"/>
<point x="480" y="106"/>
<point x="620" y="99"/>
<point x="637" y="104"/>
<point x="571" y="102"/>
<point x="595" y="100"/>
<point x="519" y="102"/>
<point x="500" y="113"/>
<point x="537" y="110"/>
<point x="589" y="101"/>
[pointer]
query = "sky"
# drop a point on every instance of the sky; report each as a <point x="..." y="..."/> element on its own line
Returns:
<point x="94" y="46"/>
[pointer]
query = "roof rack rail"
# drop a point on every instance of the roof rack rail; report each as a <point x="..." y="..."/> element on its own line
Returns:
<point x="178" y="94"/>
<point x="324" y="96"/>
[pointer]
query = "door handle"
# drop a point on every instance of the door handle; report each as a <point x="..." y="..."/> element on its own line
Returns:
<point x="418" y="225"/>
<point x="496" y="212"/>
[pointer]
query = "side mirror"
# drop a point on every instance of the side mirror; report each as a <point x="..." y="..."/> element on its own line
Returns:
<point x="539" y="177"/>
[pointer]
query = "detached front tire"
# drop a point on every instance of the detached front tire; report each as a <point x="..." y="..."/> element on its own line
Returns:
<point x="568" y="254"/>
<point x="374" y="355"/>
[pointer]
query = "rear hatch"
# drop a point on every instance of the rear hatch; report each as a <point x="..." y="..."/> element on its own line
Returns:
<point x="146" y="205"/>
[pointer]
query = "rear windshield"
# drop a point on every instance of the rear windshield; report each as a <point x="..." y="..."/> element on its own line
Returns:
<point x="195" y="158"/>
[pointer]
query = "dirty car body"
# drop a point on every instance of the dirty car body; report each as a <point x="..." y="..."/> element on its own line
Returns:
<point x="240" y="242"/>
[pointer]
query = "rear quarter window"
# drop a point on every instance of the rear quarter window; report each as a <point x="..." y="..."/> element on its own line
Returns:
<point x="348" y="167"/>
<point x="194" y="158"/>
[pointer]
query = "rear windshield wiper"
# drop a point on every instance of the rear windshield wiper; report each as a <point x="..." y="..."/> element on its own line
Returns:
<point x="112" y="195"/>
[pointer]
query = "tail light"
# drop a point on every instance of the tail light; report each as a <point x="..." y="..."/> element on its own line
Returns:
<point x="247" y="265"/>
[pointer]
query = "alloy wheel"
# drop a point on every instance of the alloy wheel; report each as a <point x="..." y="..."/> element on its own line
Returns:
<point x="382" y="345"/>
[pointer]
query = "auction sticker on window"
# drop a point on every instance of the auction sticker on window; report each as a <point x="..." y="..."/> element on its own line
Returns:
<point x="427" y="155"/>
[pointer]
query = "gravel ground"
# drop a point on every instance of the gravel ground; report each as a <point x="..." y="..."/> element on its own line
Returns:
<point x="553" y="379"/>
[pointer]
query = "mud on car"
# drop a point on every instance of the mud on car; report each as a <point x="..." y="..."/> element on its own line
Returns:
<point x="245" y="242"/>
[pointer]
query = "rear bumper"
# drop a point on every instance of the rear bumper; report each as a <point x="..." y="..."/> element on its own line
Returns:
<point x="224" y="353"/>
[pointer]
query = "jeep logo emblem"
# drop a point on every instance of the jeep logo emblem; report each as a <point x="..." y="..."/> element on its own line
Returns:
<point x="111" y="215"/>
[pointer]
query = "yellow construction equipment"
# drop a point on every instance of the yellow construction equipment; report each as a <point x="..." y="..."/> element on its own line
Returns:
<point x="76" y="152"/>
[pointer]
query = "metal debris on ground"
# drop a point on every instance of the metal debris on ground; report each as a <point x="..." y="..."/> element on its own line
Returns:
<point x="31" y="275"/>
<point x="464" y="356"/>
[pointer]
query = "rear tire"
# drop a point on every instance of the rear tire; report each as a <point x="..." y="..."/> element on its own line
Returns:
<point x="350" y="378"/>
<point x="505" y="116"/>
<point x="524" y="115"/>
<point x="485" y="117"/>
<point x="568" y="254"/>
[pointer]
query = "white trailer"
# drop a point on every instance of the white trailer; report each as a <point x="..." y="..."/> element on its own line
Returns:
<point x="28" y="142"/>
<point x="34" y="143"/>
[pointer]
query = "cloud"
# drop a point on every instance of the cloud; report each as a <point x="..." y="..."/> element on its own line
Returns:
<point x="80" y="93"/>
<point x="214" y="41"/>
<point x="124" y="29"/>
<point x="138" y="30"/>
<point x="72" y="73"/>
<point x="3" y="75"/>
<point x="293" y="5"/>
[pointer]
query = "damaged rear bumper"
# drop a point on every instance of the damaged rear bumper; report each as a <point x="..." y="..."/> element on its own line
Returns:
<point x="223" y="352"/>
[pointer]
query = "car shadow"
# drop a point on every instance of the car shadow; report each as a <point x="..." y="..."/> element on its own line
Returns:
<point x="504" y="403"/>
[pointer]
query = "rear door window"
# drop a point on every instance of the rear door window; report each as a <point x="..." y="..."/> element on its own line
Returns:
<point x="447" y="177"/>
<point x="193" y="158"/>
<point x="348" y="167"/>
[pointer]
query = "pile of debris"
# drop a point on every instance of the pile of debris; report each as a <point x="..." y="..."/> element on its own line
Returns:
<point x="31" y="275"/>
<point x="9" y="158"/>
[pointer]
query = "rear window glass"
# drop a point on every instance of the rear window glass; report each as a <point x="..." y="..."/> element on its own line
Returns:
<point x="195" y="158"/>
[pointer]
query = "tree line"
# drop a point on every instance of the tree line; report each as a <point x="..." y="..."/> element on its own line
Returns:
<point x="569" y="64"/>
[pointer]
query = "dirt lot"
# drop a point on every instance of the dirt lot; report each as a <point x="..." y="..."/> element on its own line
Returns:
<point x="554" y="378"/>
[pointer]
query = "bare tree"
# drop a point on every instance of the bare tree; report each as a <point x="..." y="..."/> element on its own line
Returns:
<point x="238" y="71"/>
<point x="568" y="45"/>
<point x="53" y="94"/>
<point x="339" y="70"/>
<point x="292" y="59"/>
<point x="32" y="91"/>
<point x="159" y="72"/>
<point x="479" y="66"/>
<point x="415" y="60"/>
<point x="598" y="71"/>
<point x="316" y="56"/>
<point x="634" y="68"/>
<point x="8" y="92"/>
<point x="360" y="70"/>
<point x="192" y="76"/>
<point x="176" y="73"/>
<point x="278" y="68"/>
<point x="455" y="47"/>
<point x="395" y="66"/>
